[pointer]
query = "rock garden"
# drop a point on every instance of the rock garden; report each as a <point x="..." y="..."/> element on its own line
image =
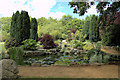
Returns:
<point x="45" y="47"/>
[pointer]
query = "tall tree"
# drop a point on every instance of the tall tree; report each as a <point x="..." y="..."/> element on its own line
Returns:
<point x="25" y="25"/>
<point x="93" y="29"/>
<point x="65" y="19"/>
<point x="20" y="26"/>
<point x="85" y="28"/>
<point x="33" y="30"/>
<point x="18" y="35"/>
<point x="110" y="33"/>
<point x="14" y="24"/>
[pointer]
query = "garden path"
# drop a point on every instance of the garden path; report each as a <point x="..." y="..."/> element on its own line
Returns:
<point x="105" y="71"/>
<point x="110" y="51"/>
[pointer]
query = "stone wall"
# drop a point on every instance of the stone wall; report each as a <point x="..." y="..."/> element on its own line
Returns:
<point x="39" y="52"/>
<point x="31" y="53"/>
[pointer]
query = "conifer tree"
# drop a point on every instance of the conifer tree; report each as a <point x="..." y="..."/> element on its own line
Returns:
<point x="20" y="26"/>
<point x="18" y="36"/>
<point x="25" y="29"/>
<point x="85" y="28"/>
<point x="33" y="30"/>
<point x="93" y="29"/>
<point x="14" y="24"/>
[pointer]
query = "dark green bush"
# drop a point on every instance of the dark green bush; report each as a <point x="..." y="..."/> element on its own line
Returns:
<point x="30" y="44"/>
<point x="11" y="42"/>
<point x="106" y="58"/>
<point x="97" y="56"/>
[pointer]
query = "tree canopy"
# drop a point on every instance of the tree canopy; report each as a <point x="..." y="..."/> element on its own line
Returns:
<point x="104" y="8"/>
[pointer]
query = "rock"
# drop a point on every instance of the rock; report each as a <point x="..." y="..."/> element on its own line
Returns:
<point x="45" y="65"/>
<point x="9" y="68"/>
<point x="36" y="64"/>
<point x="6" y="56"/>
<point x="74" y="50"/>
<point x="52" y="50"/>
<point x="64" y="42"/>
<point x="73" y="63"/>
<point x="95" y="64"/>
<point x="75" y="53"/>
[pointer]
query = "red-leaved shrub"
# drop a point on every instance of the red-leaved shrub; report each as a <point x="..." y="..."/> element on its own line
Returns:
<point x="69" y="35"/>
<point x="47" y="41"/>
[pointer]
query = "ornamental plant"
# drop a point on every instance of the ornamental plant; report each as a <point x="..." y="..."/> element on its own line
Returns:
<point x="47" y="41"/>
<point x="30" y="44"/>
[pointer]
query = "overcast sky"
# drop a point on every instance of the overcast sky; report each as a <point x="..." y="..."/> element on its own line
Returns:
<point x="40" y="8"/>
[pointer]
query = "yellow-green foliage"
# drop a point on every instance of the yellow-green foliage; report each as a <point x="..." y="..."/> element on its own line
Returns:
<point x="51" y="28"/>
<point x="77" y="39"/>
<point x="64" y="36"/>
<point x="78" y="36"/>
<point x="57" y="41"/>
<point x="56" y="34"/>
<point x="88" y="46"/>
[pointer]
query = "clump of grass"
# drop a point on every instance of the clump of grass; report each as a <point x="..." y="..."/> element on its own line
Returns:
<point x="16" y="53"/>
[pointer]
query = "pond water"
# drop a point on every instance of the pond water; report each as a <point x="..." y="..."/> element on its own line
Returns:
<point x="51" y="59"/>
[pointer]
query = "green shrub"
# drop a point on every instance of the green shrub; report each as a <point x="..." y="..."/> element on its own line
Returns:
<point x="11" y="42"/>
<point x="64" y="36"/>
<point x="63" y="61"/>
<point x="72" y="43"/>
<point x="57" y="41"/>
<point x="30" y="44"/>
<point x="96" y="59"/>
<point x="88" y="45"/>
<point x="99" y="58"/>
<point x="95" y="55"/>
<point x="16" y="53"/>
<point x="93" y="59"/>
<point x="106" y="58"/>
<point x="79" y="44"/>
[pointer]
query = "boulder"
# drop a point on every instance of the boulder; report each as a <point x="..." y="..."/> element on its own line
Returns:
<point x="36" y="64"/>
<point x="45" y="65"/>
<point x="9" y="68"/>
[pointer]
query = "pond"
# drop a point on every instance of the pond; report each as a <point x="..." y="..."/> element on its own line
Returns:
<point x="52" y="59"/>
